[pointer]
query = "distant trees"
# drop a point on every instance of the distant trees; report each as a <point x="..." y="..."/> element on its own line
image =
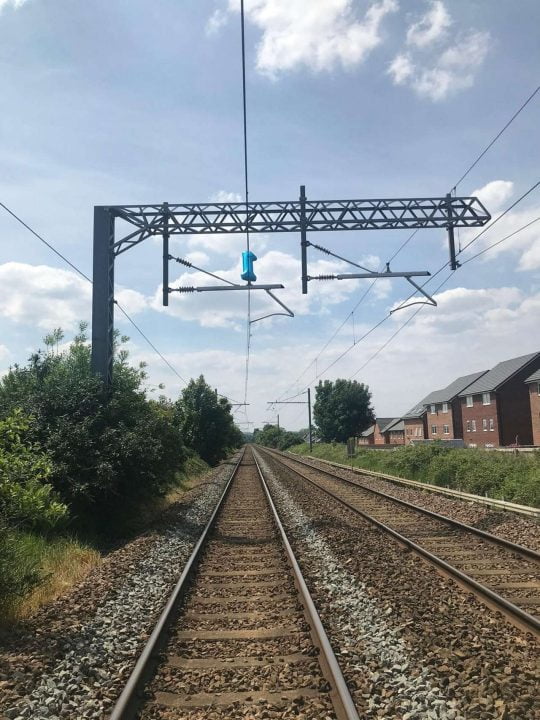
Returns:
<point x="342" y="409"/>
<point x="274" y="437"/>
<point x="206" y="423"/>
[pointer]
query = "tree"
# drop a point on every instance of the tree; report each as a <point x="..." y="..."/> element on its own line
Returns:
<point x="274" y="437"/>
<point x="110" y="451"/>
<point x="206" y="422"/>
<point x="342" y="409"/>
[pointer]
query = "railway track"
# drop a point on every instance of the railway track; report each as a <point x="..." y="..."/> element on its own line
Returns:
<point x="240" y="636"/>
<point x="504" y="575"/>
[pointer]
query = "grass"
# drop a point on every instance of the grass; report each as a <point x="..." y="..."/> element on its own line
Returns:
<point x="60" y="563"/>
<point x="505" y="476"/>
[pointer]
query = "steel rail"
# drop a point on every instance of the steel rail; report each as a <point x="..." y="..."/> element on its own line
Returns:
<point x="520" y="617"/>
<point x="341" y="691"/>
<point x="505" y="505"/>
<point x="507" y="544"/>
<point x="127" y="704"/>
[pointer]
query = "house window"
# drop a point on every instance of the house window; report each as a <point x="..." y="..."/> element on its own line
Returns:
<point x="432" y="410"/>
<point x="418" y="431"/>
<point x="469" y="401"/>
<point x="486" y="399"/>
<point x="446" y="430"/>
<point x="468" y="426"/>
<point x="484" y="424"/>
<point x="445" y="407"/>
<point x="473" y="425"/>
<point x="433" y="429"/>
<point x="491" y="425"/>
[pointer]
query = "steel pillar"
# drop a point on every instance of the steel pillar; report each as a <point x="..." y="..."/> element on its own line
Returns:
<point x="303" y="238"/>
<point x="103" y="295"/>
<point x="309" y="418"/>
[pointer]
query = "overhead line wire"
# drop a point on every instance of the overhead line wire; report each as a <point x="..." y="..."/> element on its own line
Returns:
<point x="411" y="236"/>
<point x="88" y="279"/>
<point x="497" y="136"/>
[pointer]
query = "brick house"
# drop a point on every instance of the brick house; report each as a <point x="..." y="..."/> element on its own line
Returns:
<point x="394" y="432"/>
<point x="496" y="409"/>
<point x="443" y="418"/>
<point x="533" y="383"/>
<point x="374" y="435"/>
<point x="414" y="422"/>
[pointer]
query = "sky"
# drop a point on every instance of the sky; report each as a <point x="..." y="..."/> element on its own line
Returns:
<point x="131" y="101"/>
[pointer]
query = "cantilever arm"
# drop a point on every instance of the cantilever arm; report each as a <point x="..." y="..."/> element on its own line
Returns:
<point x="430" y="301"/>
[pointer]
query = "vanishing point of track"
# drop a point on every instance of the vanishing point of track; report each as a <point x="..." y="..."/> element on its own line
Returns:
<point x="240" y="629"/>
<point x="502" y="574"/>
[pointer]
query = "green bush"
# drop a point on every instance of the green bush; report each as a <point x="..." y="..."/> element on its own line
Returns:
<point x="27" y="499"/>
<point x="109" y="451"/>
<point x="515" y="478"/>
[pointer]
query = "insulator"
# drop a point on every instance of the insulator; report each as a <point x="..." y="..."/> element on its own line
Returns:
<point x="324" y="277"/>
<point x="185" y="289"/>
<point x="183" y="262"/>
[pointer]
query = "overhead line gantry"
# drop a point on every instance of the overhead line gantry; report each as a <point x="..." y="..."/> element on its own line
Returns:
<point x="302" y="216"/>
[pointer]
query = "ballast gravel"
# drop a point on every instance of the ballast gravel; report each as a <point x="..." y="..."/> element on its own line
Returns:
<point x="411" y="644"/>
<point x="510" y="526"/>
<point x="73" y="659"/>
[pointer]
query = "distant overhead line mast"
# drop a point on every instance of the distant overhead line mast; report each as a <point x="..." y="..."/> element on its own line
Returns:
<point x="300" y="216"/>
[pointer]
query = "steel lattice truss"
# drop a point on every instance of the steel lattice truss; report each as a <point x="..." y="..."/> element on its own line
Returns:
<point x="310" y="215"/>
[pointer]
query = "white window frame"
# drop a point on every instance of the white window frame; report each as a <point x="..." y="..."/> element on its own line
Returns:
<point x="491" y="425"/>
<point x="445" y="407"/>
<point x="434" y="430"/>
<point x="468" y="426"/>
<point x="469" y="400"/>
<point x="473" y="425"/>
<point x="484" y="424"/>
<point x="446" y="429"/>
<point x="488" y="396"/>
<point x="432" y="410"/>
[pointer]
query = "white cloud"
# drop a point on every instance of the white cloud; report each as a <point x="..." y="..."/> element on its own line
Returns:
<point x="224" y="196"/>
<point x="318" y="35"/>
<point x="216" y="21"/>
<point x="197" y="257"/>
<point x="13" y="3"/>
<point x="401" y="69"/>
<point x="526" y="244"/>
<point x="431" y="27"/>
<point x="44" y="296"/>
<point x="494" y="194"/>
<point x="133" y="302"/>
<point x="436" y="72"/>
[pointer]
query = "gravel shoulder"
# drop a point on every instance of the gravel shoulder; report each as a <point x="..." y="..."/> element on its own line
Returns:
<point x="411" y="644"/>
<point x="510" y="526"/>
<point x="73" y="656"/>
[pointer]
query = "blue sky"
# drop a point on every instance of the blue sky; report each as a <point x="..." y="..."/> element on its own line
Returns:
<point x="122" y="102"/>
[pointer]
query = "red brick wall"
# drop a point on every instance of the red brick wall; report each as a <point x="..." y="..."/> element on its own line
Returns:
<point x="395" y="437"/>
<point x="479" y="412"/>
<point x="378" y="437"/>
<point x="411" y="428"/>
<point x="534" y="399"/>
<point x="440" y="419"/>
<point x="365" y="440"/>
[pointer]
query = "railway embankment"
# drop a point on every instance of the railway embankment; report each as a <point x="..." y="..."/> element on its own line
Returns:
<point x="505" y="476"/>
